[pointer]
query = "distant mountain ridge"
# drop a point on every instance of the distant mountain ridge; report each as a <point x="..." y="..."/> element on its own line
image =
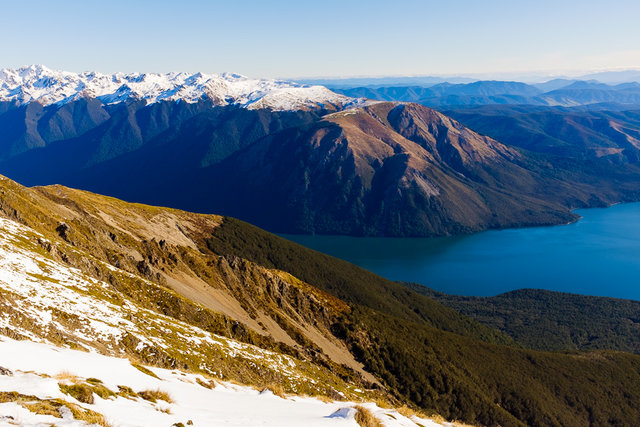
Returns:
<point x="38" y="83"/>
<point x="608" y="77"/>
<point x="559" y="92"/>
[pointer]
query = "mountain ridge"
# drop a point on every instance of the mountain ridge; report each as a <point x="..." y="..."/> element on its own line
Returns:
<point x="559" y="92"/>
<point x="37" y="83"/>
<point x="397" y="169"/>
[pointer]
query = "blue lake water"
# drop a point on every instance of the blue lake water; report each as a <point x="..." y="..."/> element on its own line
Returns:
<point x="598" y="255"/>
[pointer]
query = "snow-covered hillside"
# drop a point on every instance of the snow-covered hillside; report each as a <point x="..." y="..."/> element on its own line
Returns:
<point x="66" y="339"/>
<point x="42" y="299"/>
<point x="38" y="83"/>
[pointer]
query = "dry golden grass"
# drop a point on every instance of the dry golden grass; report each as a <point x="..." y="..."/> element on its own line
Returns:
<point x="144" y="370"/>
<point x="66" y="376"/>
<point x="210" y="384"/>
<point x="458" y="424"/>
<point x="276" y="389"/>
<point x="383" y="403"/>
<point x="365" y="418"/>
<point x="437" y="418"/>
<point x="410" y="412"/>
<point x="81" y="392"/>
<point x="43" y="407"/>
<point x="89" y="417"/>
<point x="127" y="392"/>
<point x="52" y="407"/>
<point x="155" y="395"/>
<point x="323" y="398"/>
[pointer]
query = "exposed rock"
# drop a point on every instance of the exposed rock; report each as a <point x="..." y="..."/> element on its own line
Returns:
<point x="63" y="230"/>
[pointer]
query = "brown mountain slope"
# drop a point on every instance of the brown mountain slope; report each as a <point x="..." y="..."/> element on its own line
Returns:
<point x="166" y="246"/>
<point x="388" y="169"/>
<point x="385" y="169"/>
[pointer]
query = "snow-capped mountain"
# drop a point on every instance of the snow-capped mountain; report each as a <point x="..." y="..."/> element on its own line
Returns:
<point x="46" y="86"/>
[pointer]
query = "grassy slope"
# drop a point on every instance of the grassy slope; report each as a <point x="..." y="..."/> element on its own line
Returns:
<point x="547" y="320"/>
<point x="399" y="336"/>
<point x="343" y="280"/>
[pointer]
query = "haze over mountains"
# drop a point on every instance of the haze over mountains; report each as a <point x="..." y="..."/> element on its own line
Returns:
<point x="294" y="158"/>
<point x="537" y="79"/>
<point x="560" y="93"/>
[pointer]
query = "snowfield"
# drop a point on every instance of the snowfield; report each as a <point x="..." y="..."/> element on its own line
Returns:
<point x="35" y="366"/>
<point x="38" y="83"/>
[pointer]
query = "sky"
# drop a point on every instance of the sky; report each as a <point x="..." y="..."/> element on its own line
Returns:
<point x="329" y="38"/>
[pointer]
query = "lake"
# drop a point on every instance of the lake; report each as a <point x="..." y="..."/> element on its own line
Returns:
<point x="598" y="255"/>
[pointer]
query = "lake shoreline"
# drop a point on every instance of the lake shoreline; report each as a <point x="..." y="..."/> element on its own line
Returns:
<point x="597" y="255"/>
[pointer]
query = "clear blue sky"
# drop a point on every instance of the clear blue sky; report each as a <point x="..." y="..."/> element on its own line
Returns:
<point x="278" y="38"/>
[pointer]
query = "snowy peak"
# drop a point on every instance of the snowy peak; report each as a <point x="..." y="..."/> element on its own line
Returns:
<point x="45" y="86"/>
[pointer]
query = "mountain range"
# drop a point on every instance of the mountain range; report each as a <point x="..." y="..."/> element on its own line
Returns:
<point x="557" y="92"/>
<point x="299" y="159"/>
<point x="539" y="79"/>
<point x="45" y="86"/>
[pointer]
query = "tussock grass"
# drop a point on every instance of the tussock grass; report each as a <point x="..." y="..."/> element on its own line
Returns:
<point x="155" y="395"/>
<point x="206" y="384"/>
<point x="103" y="391"/>
<point x="365" y="418"/>
<point x="127" y="392"/>
<point x="81" y="392"/>
<point x="88" y="416"/>
<point x="144" y="370"/>
<point x="411" y="412"/>
<point x="276" y="389"/>
<point x="323" y="398"/>
<point x="384" y="403"/>
<point x="66" y="376"/>
<point x="43" y="407"/>
<point x="53" y="406"/>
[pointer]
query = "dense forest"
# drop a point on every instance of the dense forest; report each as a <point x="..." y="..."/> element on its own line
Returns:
<point x="438" y="359"/>
<point x="547" y="320"/>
